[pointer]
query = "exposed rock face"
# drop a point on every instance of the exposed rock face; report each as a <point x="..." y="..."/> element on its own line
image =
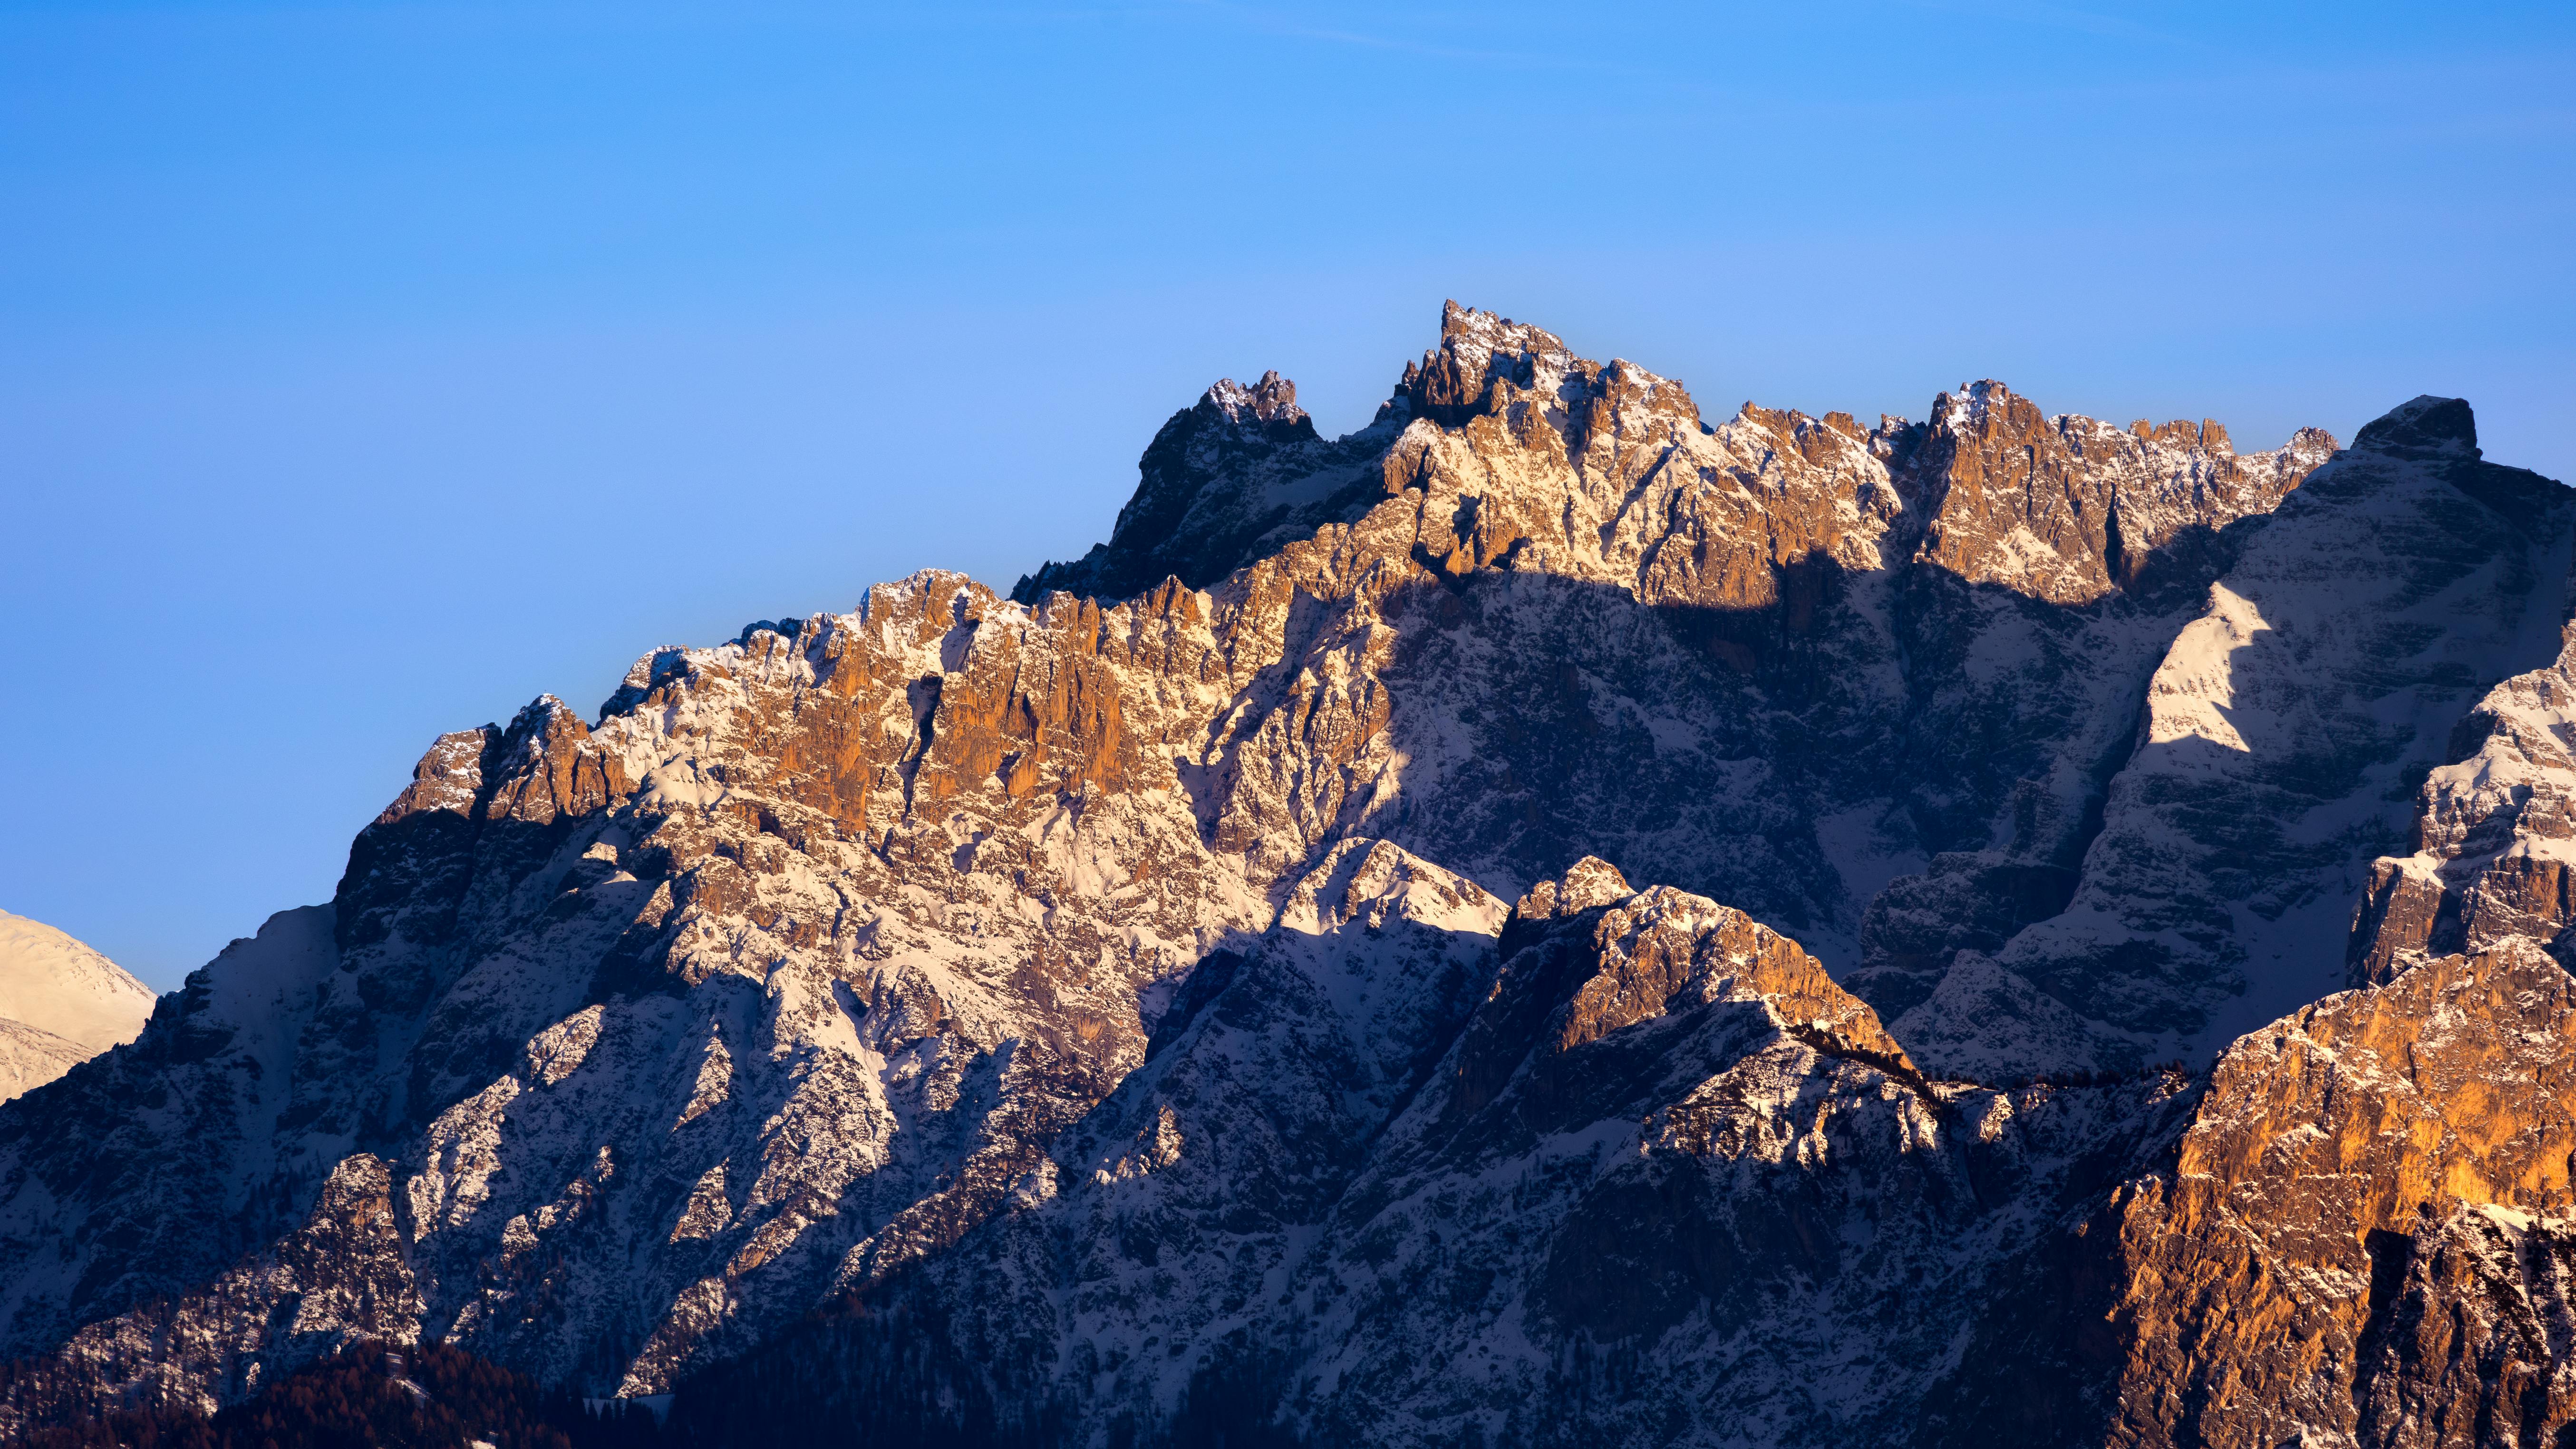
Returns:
<point x="1242" y="469"/>
<point x="1107" y="995"/>
<point x="61" y="1003"/>
<point x="783" y="975"/>
<point x="2363" y="1240"/>
<point x="2494" y="841"/>
<point x="1861" y="655"/>
<point x="2282" y="739"/>
<point x="1656" y="1126"/>
<point x="2470" y="1345"/>
<point x="2068" y="508"/>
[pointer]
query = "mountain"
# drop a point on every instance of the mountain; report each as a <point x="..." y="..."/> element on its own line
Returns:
<point x="415" y="1396"/>
<point x="61" y="1004"/>
<point x="1543" y="919"/>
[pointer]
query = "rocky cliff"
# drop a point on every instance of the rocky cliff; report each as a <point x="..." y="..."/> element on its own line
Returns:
<point x="1094" y="1015"/>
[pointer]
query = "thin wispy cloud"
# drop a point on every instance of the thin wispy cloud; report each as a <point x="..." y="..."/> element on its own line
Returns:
<point x="2060" y="17"/>
<point x="1269" y="23"/>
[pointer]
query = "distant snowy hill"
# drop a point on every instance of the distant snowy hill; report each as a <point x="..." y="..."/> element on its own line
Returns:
<point x="61" y="1003"/>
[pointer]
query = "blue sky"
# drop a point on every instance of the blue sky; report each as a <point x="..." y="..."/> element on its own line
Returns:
<point x="367" y="370"/>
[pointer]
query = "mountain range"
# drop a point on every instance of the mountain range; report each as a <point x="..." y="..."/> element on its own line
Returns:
<point x="1544" y="919"/>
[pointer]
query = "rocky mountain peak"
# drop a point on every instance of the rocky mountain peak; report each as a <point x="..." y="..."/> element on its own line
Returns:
<point x="1502" y="428"/>
<point x="1587" y="883"/>
<point x="2069" y="509"/>
<point x="1219" y="476"/>
<point x="1271" y="400"/>
<point x="2425" y="427"/>
<point x="1455" y="380"/>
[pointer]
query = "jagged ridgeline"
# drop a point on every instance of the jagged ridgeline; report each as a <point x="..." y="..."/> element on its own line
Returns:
<point x="1545" y="920"/>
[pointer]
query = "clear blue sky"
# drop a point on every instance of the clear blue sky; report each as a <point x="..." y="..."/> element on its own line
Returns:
<point x="367" y="370"/>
